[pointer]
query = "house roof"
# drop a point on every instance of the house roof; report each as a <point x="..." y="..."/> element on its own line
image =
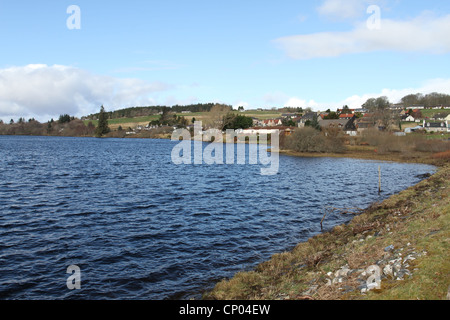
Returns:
<point x="333" y="123"/>
<point x="364" y="125"/>
<point x="309" y="116"/>
<point x="348" y="110"/>
<point x="272" y="120"/>
<point x="346" y="115"/>
<point x="436" y="124"/>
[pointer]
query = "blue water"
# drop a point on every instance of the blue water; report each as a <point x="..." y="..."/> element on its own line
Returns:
<point x="140" y="227"/>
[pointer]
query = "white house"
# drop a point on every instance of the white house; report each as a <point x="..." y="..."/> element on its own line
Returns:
<point x="436" y="126"/>
<point x="272" y="122"/>
<point x="410" y="118"/>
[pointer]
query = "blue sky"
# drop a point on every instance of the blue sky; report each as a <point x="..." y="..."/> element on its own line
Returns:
<point x="320" y="54"/>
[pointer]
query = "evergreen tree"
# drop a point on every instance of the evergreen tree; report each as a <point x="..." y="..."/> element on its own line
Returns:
<point x="314" y="123"/>
<point x="64" y="118"/>
<point x="102" y="127"/>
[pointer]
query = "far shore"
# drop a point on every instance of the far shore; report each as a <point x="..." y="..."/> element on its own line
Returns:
<point x="363" y="152"/>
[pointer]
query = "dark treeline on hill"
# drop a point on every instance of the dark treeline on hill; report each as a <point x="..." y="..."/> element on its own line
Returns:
<point x="135" y="112"/>
<point x="428" y="100"/>
<point x="67" y="126"/>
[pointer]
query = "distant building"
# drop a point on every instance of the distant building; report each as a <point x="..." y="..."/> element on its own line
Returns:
<point x="346" y="116"/>
<point x="272" y="122"/>
<point x="398" y="106"/>
<point x="436" y="126"/>
<point x="366" y="122"/>
<point x="414" y="129"/>
<point x="408" y="118"/>
<point x="289" y="115"/>
<point x="361" y="110"/>
<point x="347" y="111"/>
<point x="309" y="116"/>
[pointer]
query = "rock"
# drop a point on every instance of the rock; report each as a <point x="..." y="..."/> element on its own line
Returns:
<point x="389" y="248"/>
<point x="396" y="268"/>
<point x="408" y="258"/>
<point x="347" y="289"/>
<point x="343" y="272"/>
<point x="311" y="291"/>
<point x="337" y="280"/>
<point x="363" y="288"/>
<point x="372" y="286"/>
<point x="388" y="271"/>
<point x="402" y="273"/>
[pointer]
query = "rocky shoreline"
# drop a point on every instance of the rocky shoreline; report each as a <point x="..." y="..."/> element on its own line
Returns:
<point x="394" y="266"/>
<point x="394" y="250"/>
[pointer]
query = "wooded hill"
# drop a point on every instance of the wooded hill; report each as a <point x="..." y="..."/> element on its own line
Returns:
<point x="135" y="112"/>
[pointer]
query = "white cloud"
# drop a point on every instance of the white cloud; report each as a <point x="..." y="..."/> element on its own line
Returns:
<point x="275" y="98"/>
<point x="150" y="65"/>
<point x="43" y="91"/>
<point x="244" y="104"/>
<point x="300" y="103"/>
<point x="356" y="101"/>
<point x="394" y="95"/>
<point x="423" y="34"/>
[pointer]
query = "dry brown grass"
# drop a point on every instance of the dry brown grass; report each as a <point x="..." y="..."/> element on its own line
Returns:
<point x="442" y="155"/>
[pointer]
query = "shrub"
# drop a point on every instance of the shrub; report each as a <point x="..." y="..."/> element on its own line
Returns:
<point x="312" y="140"/>
<point x="432" y="146"/>
<point x="442" y="155"/>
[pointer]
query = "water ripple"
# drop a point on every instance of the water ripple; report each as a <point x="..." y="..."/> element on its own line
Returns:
<point x="140" y="227"/>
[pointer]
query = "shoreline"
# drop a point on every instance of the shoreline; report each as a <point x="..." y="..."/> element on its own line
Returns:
<point x="333" y="265"/>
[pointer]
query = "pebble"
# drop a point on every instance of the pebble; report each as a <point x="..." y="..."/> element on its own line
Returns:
<point x="394" y="268"/>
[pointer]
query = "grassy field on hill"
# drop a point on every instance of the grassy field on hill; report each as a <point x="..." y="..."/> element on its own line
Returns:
<point x="199" y="116"/>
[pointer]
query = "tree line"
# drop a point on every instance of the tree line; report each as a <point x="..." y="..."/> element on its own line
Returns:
<point x="135" y="112"/>
<point x="427" y="100"/>
<point x="74" y="127"/>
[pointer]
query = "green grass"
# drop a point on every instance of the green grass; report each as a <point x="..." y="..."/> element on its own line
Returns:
<point x="432" y="136"/>
<point x="199" y="115"/>
<point x="126" y="120"/>
<point x="431" y="112"/>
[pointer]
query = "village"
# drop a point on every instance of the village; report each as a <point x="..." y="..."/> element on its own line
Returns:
<point x="352" y="122"/>
<point x="356" y="121"/>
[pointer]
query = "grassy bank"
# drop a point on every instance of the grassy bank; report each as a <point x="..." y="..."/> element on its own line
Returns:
<point x="406" y="236"/>
<point x="371" y="153"/>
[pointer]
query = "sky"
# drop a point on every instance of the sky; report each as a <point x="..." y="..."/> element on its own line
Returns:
<point x="71" y="57"/>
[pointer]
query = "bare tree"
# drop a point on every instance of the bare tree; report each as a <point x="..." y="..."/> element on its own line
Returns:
<point x="216" y="116"/>
<point x="381" y="111"/>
